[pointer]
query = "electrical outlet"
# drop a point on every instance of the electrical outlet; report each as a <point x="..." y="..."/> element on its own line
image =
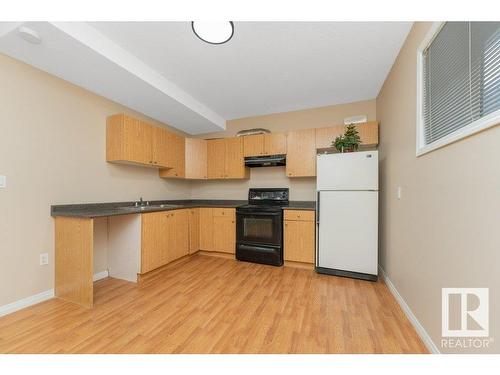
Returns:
<point x="44" y="259"/>
<point x="399" y="192"/>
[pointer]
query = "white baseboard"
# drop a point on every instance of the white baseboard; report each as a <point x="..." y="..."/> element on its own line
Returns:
<point x="409" y="314"/>
<point x="40" y="297"/>
<point x="25" y="302"/>
<point x="101" y="275"/>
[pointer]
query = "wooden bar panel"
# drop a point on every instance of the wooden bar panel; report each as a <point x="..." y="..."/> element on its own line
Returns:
<point x="74" y="242"/>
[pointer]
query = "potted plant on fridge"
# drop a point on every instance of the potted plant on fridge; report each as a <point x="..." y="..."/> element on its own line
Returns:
<point x="349" y="141"/>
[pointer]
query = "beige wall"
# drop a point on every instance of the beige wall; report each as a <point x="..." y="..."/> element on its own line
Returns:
<point x="52" y="150"/>
<point x="300" y="188"/>
<point x="444" y="230"/>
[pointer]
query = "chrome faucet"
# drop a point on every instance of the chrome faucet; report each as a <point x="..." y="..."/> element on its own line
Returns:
<point x="141" y="203"/>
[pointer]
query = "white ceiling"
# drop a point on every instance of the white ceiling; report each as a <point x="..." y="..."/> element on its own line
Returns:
<point x="164" y="71"/>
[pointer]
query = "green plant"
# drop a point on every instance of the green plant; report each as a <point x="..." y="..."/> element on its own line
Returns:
<point x="349" y="141"/>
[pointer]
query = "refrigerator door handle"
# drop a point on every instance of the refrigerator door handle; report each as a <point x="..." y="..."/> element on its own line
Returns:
<point x="317" y="209"/>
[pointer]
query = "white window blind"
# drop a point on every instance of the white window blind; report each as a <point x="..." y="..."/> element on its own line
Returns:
<point x="461" y="78"/>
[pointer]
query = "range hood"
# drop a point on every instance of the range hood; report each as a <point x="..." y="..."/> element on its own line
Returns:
<point x="265" y="161"/>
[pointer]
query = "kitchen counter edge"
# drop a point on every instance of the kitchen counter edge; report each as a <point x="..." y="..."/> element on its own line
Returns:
<point x="95" y="210"/>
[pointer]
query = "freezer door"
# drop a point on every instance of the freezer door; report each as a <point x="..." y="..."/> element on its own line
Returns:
<point x="348" y="171"/>
<point x="348" y="231"/>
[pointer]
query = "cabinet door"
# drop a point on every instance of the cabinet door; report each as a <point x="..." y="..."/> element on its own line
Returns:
<point x="206" y="229"/>
<point x="175" y="157"/>
<point x="325" y="136"/>
<point x="216" y="154"/>
<point x="154" y="240"/>
<point x="253" y="145"/>
<point x="225" y="231"/>
<point x="196" y="158"/>
<point x="161" y="147"/>
<point x="301" y="153"/>
<point x="299" y="241"/>
<point x="178" y="234"/>
<point x="194" y="230"/>
<point x="368" y="132"/>
<point x="275" y="144"/>
<point x="128" y="140"/>
<point x="235" y="161"/>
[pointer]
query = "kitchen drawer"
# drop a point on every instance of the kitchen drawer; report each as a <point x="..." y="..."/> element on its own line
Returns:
<point x="229" y="212"/>
<point x="300" y="215"/>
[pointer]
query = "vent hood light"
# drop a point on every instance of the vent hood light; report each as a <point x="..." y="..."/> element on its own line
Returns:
<point x="213" y="32"/>
<point x="29" y="35"/>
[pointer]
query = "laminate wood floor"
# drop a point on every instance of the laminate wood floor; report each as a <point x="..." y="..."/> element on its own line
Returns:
<point x="205" y="304"/>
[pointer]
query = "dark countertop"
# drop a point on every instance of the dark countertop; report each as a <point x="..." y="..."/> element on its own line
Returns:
<point x="90" y="210"/>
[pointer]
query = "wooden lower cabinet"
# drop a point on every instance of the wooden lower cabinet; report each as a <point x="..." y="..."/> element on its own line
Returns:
<point x="299" y="236"/>
<point x="153" y="240"/>
<point x="164" y="238"/>
<point x="224" y="233"/>
<point x="206" y="229"/>
<point x="178" y="234"/>
<point x="194" y="230"/>
<point x="218" y="229"/>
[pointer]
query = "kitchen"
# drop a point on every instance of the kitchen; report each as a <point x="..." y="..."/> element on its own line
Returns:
<point x="206" y="210"/>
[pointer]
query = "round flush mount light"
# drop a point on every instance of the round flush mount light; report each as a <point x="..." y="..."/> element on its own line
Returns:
<point x="213" y="32"/>
<point x="29" y="35"/>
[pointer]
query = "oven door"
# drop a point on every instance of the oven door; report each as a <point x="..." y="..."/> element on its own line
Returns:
<point x="263" y="228"/>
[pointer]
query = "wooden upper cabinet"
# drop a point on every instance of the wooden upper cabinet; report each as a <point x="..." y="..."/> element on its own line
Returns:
<point x="196" y="158"/>
<point x="368" y="132"/>
<point x="325" y="136"/>
<point x="225" y="159"/>
<point x="216" y="154"/>
<point x="275" y="144"/>
<point x="130" y="140"/>
<point x="161" y="149"/>
<point x="264" y="144"/>
<point x="175" y="157"/>
<point x="235" y="161"/>
<point x="301" y="153"/>
<point x="253" y="145"/>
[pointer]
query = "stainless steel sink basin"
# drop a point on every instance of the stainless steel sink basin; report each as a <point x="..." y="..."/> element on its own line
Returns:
<point x="151" y="207"/>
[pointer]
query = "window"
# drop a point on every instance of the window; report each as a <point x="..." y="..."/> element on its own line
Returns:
<point x="458" y="82"/>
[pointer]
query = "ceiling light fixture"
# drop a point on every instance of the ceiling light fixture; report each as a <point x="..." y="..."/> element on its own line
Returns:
<point x="29" y="35"/>
<point x="213" y="32"/>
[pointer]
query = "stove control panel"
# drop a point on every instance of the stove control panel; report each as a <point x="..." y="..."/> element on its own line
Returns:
<point x="271" y="194"/>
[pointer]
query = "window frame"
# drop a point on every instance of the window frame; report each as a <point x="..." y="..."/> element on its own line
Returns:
<point x="476" y="126"/>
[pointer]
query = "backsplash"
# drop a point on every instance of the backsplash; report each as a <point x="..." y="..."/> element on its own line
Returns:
<point x="300" y="188"/>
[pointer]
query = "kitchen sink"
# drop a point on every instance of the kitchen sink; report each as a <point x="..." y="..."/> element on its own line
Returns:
<point x="151" y="207"/>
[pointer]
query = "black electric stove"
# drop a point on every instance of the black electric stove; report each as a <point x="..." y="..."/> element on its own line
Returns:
<point x="259" y="226"/>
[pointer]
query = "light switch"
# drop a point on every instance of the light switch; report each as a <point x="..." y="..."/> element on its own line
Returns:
<point x="3" y="181"/>
<point x="399" y="192"/>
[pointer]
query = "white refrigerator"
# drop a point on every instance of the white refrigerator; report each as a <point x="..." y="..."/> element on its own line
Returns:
<point x="347" y="214"/>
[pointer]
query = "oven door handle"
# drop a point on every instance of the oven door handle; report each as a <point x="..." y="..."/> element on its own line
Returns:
<point x="258" y="213"/>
